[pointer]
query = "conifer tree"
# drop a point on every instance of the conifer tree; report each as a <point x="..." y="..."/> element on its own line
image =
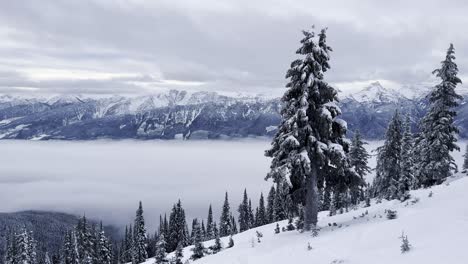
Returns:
<point x="233" y="225"/>
<point x="11" y="251"/>
<point x="104" y="248"/>
<point x="388" y="168"/>
<point x="231" y="242"/>
<point x="139" y="253"/>
<point x="179" y="254"/>
<point x="210" y="225"/>
<point x="217" y="246"/>
<point x="438" y="132"/>
<point x="70" y="254"/>
<point x="279" y="208"/>
<point x="309" y="147"/>
<point x="225" y="224"/>
<point x="358" y="159"/>
<point x="161" y="254"/>
<point x="178" y="231"/>
<point x="244" y="214"/>
<point x="271" y="205"/>
<point x="85" y="242"/>
<point x="407" y="162"/>
<point x="262" y="213"/>
<point x="251" y="215"/>
<point x="199" y="248"/>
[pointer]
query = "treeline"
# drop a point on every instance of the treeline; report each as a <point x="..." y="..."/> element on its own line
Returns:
<point x="174" y="232"/>
<point x="84" y="244"/>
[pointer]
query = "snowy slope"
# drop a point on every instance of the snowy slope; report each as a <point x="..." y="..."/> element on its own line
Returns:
<point x="437" y="228"/>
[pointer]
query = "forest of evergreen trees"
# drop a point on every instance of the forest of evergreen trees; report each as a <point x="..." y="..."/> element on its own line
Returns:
<point x="314" y="168"/>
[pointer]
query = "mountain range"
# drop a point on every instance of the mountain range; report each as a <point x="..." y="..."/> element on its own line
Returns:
<point x="178" y="114"/>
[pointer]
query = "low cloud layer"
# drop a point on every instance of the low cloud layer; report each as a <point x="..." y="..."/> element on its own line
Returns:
<point x="106" y="179"/>
<point x="104" y="46"/>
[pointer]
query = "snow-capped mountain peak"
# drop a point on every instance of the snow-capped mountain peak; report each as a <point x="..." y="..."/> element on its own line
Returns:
<point x="376" y="93"/>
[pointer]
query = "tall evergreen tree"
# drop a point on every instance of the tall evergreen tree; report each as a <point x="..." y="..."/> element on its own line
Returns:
<point x="70" y="254"/>
<point x="85" y="241"/>
<point x="244" y="214"/>
<point x="262" y="213"/>
<point x="104" y="248"/>
<point x="279" y="206"/>
<point x="358" y="159"/>
<point x="161" y="255"/>
<point x="198" y="247"/>
<point x="210" y="225"/>
<point x="179" y="254"/>
<point x="309" y="146"/>
<point x="407" y="162"/>
<point x="139" y="253"/>
<point x="225" y="224"/>
<point x="178" y="231"/>
<point x="388" y="161"/>
<point x="271" y="205"/>
<point x="438" y="131"/>
<point x="251" y="215"/>
<point x="234" y="229"/>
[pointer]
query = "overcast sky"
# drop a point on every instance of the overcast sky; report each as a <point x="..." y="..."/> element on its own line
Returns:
<point x="136" y="46"/>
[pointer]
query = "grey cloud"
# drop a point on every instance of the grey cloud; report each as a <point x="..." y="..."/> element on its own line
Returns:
<point x="238" y="45"/>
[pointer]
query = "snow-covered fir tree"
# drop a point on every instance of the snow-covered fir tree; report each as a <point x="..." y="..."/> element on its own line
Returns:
<point x="251" y="215"/>
<point x="234" y="229"/>
<point x="179" y="254"/>
<point x="161" y="255"/>
<point x="358" y="159"/>
<point x="21" y="248"/>
<point x="270" y="214"/>
<point x="70" y="254"/>
<point x="388" y="168"/>
<point x="104" y="248"/>
<point x="231" y="242"/>
<point x="217" y="245"/>
<point x="139" y="253"/>
<point x="210" y="224"/>
<point x="198" y="247"/>
<point x="261" y="217"/>
<point x="278" y="205"/>
<point x="85" y="241"/>
<point x="178" y="231"/>
<point x="438" y="131"/>
<point x="406" y="179"/>
<point x="225" y="224"/>
<point x="244" y="214"/>
<point x="309" y="147"/>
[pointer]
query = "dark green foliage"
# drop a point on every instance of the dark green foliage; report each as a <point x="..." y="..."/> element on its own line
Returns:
<point x="438" y="131"/>
<point x="388" y="168"/>
<point x="225" y="222"/>
<point x="309" y="148"/>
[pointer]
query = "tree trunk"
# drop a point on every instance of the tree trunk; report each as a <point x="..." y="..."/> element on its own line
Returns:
<point x="311" y="208"/>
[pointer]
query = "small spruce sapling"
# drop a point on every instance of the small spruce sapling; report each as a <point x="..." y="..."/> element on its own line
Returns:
<point x="259" y="235"/>
<point x="405" y="245"/>
<point x="391" y="214"/>
<point x="277" y="229"/>
<point x="290" y="226"/>
<point x="231" y="242"/>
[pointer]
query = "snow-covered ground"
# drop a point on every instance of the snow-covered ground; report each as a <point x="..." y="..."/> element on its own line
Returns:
<point x="436" y="226"/>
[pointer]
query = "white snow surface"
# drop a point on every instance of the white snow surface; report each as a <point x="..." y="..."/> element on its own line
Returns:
<point x="437" y="229"/>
